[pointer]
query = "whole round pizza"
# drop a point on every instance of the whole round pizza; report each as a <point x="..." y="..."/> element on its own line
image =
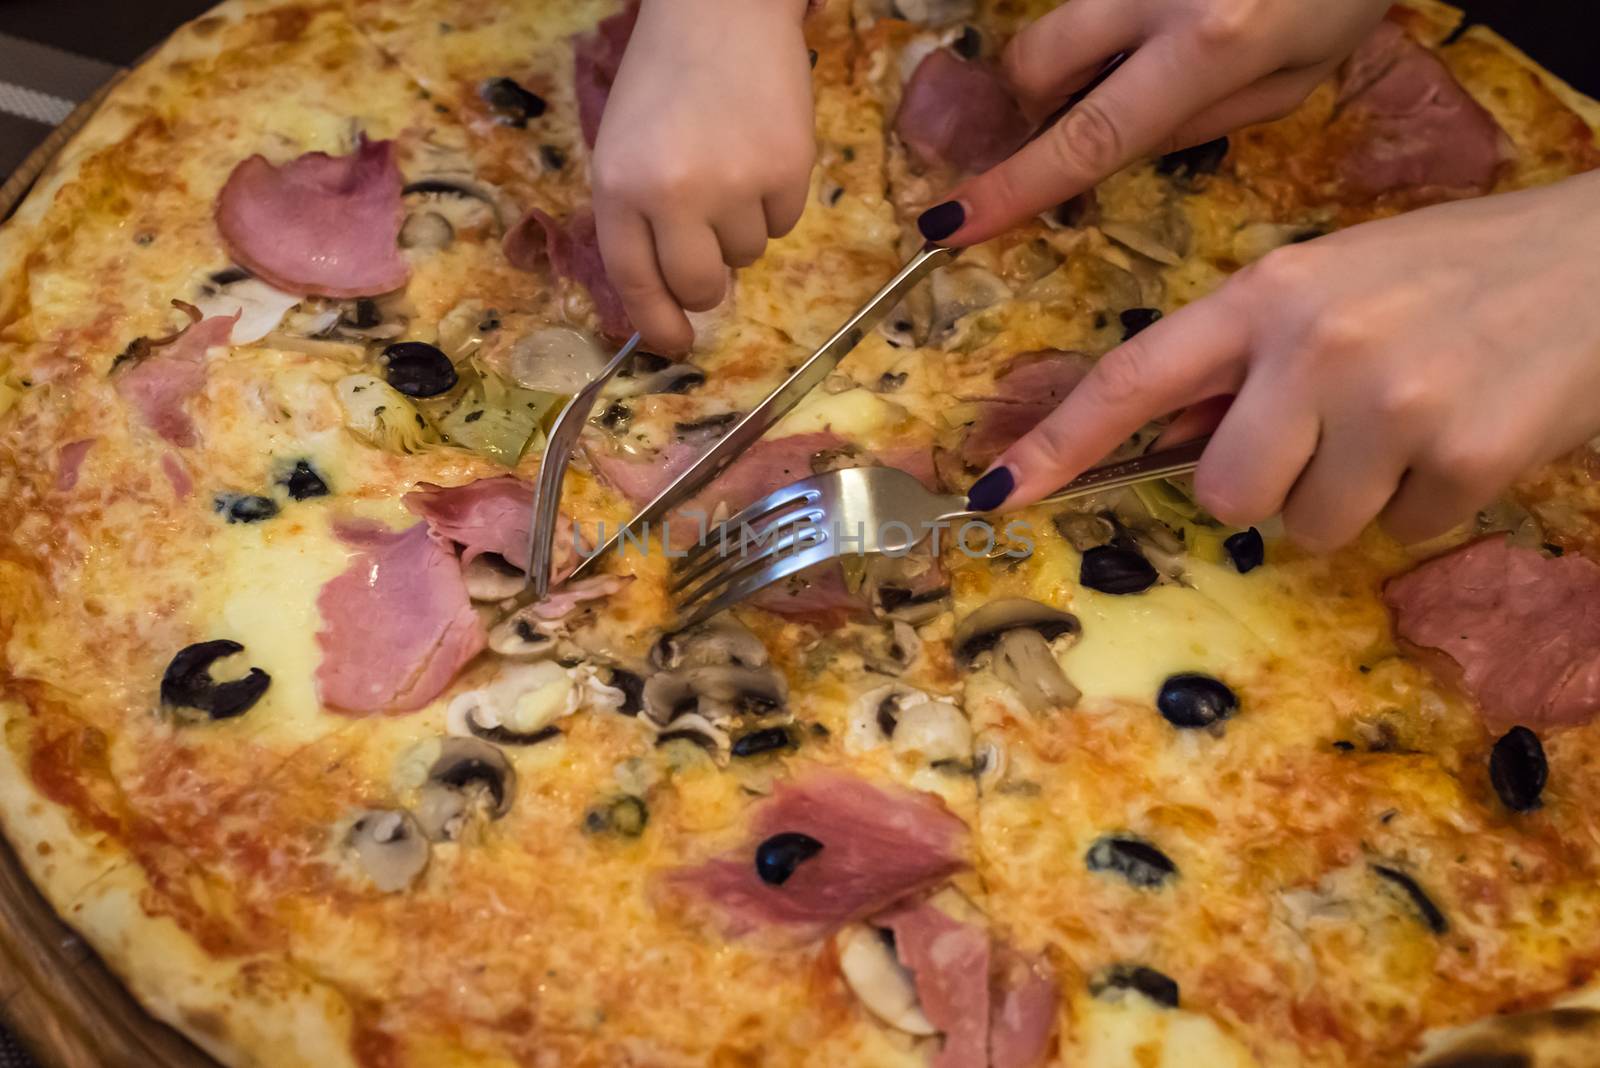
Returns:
<point x="281" y="333"/>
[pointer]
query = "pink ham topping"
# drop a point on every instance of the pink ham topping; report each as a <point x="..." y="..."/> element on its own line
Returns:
<point x="596" y="58"/>
<point x="1419" y="127"/>
<point x="957" y="113"/>
<point x="572" y="250"/>
<point x="69" y="458"/>
<point x="949" y="964"/>
<point x="1022" y="1010"/>
<point x="321" y="224"/>
<point x="1027" y="391"/>
<point x="567" y="599"/>
<point x="396" y="624"/>
<point x="177" y="476"/>
<point x="490" y="515"/>
<point x="159" y="385"/>
<point x="878" y="846"/>
<point x="1523" y="628"/>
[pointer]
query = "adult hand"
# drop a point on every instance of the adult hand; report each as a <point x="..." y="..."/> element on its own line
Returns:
<point x="1407" y="369"/>
<point x="704" y="152"/>
<point x="1196" y="69"/>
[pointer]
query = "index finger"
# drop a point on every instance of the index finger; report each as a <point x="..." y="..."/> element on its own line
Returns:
<point x="1196" y="353"/>
<point x="1160" y="87"/>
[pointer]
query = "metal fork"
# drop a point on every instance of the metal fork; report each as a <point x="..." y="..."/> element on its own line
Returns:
<point x="552" y="469"/>
<point x="856" y="510"/>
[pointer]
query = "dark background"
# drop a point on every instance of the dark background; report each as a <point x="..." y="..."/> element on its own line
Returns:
<point x="1564" y="35"/>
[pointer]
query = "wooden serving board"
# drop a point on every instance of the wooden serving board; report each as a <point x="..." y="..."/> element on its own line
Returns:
<point x="55" y="994"/>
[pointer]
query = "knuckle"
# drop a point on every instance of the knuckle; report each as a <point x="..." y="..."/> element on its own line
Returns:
<point x="1405" y="396"/>
<point x="1225" y="26"/>
<point x="1469" y="465"/>
<point x="1338" y="333"/>
<point x="1087" y="141"/>
<point x="1019" y="66"/>
<point x="1282" y="272"/>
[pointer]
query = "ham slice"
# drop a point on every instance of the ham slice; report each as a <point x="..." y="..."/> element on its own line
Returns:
<point x="1027" y="391"/>
<point x="1022" y="1007"/>
<point x="596" y="58"/>
<point x="767" y="465"/>
<point x="321" y="224"/>
<point x="177" y="476"/>
<point x="949" y="965"/>
<point x="69" y="458"/>
<point x="879" y="845"/>
<point x="571" y="249"/>
<point x="396" y="624"/>
<point x="1415" y="126"/>
<point x="957" y="113"/>
<point x="159" y="385"/>
<point x="564" y="601"/>
<point x="1523" y="629"/>
<point x="489" y="515"/>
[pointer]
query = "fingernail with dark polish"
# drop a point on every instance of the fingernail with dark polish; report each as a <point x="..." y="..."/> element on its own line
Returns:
<point x="942" y="220"/>
<point x="991" y="491"/>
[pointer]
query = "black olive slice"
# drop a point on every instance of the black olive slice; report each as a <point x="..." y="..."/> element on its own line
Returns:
<point x="244" y="508"/>
<point x="1426" y="909"/>
<point x="1518" y="769"/>
<point x="1195" y="700"/>
<point x="1135" y="320"/>
<point x="417" y="369"/>
<point x="970" y="44"/>
<point x="1159" y="988"/>
<point x="1116" y="569"/>
<point x="626" y="815"/>
<point x="187" y="682"/>
<point x="304" y="483"/>
<point x="1199" y="159"/>
<point x="779" y="856"/>
<point x="1246" y="550"/>
<point x="501" y="735"/>
<point x="765" y="740"/>
<point x="1136" y="860"/>
<point x="513" y="104"/>
<point x="229" y="275"/>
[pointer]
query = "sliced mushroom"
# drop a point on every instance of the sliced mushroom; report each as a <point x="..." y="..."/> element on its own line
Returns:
<point x="720" y="640"/>
<point x="461" y="202"/>
<point x="878" y="979"/>
<point x="932" y="731"/>
<point x="1084" y="531"/>
<point x="901" y="588"/>
<point x="891" y="650"/>
<point x="716" y="691"/>
<point x="989" y="760"/>
<point x="1019" y="634"/>
<point x="388" y="847"/>
<point x="877" y="715"/>
<point x="959" y="290"/>
<point x="491" y="577"/>
<point x="555" y="359"/>
<point x="695" y="728"/>
<point x="260" y="307"/>
<point x="1142" y="240"/>
<point x="524" y="635"/>
<point x="464" y="328"/>
<point x="468" y="777"/>
<point x="518" y="707"/>
<point x="646" y="376"/>
<point x="1024" y="662"/>
<point x="980" y="631"/>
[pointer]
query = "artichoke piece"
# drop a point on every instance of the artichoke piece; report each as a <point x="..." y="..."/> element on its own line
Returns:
<point x="494" y="418"/>
<point x="1169" y="503"/>
<point x="380" y="414"/>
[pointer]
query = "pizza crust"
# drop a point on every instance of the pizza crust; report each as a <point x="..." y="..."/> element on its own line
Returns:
<point x="248" y="1011"/>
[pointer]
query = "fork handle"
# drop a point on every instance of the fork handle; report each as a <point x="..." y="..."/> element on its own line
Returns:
<point x="1178" y="460"/>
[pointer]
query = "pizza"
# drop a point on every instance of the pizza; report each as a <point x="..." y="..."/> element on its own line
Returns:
<point x="281" y="331"/>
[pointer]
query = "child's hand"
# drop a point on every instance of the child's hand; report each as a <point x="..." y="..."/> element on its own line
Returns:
<point x="1407" y="369"/>
<point x="705" y="151"/>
